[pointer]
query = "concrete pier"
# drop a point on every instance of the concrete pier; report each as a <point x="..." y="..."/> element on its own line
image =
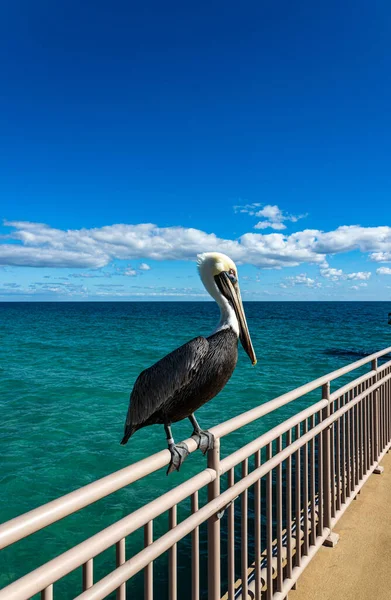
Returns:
<point x="359" y="567"/>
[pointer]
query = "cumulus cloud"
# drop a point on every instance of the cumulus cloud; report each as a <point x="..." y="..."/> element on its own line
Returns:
<point x="359" y="275"/>
<point x="130" y="272"/>
<point x="338" y="274"/>
<point x="301" y="279"/>
<point x="144" y="267"/>
<point x="332" y="274"/>
<point x="273" y="216"/>
<point x="39" y="245"/>
<point x="358" y="286"/>
<point x="383" y="271"/>
<point x="380" y="256"/>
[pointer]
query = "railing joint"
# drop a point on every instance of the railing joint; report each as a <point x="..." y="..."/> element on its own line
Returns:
<point x="220" y="513"/>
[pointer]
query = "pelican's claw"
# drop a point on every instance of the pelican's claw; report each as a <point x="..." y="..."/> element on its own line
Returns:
<point x="178" y="454"/>
<point x="204" y="439"/>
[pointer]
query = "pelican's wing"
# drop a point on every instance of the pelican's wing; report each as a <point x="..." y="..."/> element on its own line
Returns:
<point x="156" y="386"/>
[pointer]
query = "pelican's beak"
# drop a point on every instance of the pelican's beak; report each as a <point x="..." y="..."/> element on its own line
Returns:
<point x="231" y="292"/>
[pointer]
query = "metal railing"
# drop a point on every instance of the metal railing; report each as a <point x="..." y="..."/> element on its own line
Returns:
<point x="292" y="483"/>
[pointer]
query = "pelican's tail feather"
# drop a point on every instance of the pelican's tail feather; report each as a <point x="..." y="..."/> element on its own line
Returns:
<point x="129" y="431"/>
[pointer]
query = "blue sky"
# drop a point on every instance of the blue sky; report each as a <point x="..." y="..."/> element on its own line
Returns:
<point x="262" y="130"/>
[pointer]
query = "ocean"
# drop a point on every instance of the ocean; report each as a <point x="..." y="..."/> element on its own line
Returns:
<point x="66" y="370"/>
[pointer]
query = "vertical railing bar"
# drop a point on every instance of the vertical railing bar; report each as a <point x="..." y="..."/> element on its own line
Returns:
<point x="257" y="530"/>
<point x="369" y="423"/>
<point x="88" y="574"/>
<point x="386" y="418"/>
<point x="120" y="557"/>
<point x="313" y="488"/>
<point x="148" y="570"/>
<point x="372" y="422"/>
<point x="343" y="454"/>
<point x="382" y="419"/>
<point x="195" y="553"/>
<point x="385" y="387"/>
<point x="376" y="413"/>
<point x="320" y="480"/>
<point x="244" y="532"/>
<point x="214" y="573"/>
<point x="352" y="442"/>
<point x="365" y="408"/>
<point x="279" y="518"/>
<point x="386" y="411"/>
<point x="288" y="505"/>
<point x="172" y="557"/>
<point x="269" y="528"/>
<point x="298" y="499"/>
<point x="348" y="453"/>
<point x="338" y="458"/>
<point x="332" y="462"/>
<point x="381" y="392"/>
<point x="231" y="541"/>
<point x="357" y="441"/>
<point x="305" y="492"/>
<point x="383" y="395"/>
<point x="326" y="460"/>
<point x="383" y="414"/>
<point x="388" y="414"/>
<point x="370" y="427"/>
<point x="389" y="408"/>
<point x="47" y="593"/>
<point x="362" y="443"/>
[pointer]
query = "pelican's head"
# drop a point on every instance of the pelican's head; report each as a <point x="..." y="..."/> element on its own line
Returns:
<point x="220" y="277"/>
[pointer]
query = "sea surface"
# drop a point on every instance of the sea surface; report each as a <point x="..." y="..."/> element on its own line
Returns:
<point x="66" y="370"/>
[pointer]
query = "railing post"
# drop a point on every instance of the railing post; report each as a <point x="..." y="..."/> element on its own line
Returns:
<point x="374" y="365"/>
<point x="376" y="418"/>
<point x="214" y="527"/>
<point x="326" y="459"/>
<point x="328" y="486"/>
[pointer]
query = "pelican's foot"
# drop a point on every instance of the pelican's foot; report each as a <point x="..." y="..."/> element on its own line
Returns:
<point x="205" y="440"/>
<point x="178" y="454"/>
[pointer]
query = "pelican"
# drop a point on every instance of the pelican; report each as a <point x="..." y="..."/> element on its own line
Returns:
<point x="181" y="382"/>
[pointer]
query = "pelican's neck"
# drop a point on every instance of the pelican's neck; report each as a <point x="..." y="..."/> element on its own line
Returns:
<point x="228" y="319"/>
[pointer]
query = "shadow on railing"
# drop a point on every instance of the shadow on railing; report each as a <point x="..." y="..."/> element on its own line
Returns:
<point x="294" y="483"/>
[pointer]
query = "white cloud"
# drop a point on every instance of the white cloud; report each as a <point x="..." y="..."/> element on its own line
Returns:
<point x="302" y="279"/>
<point x="130" y="272"/>
<point x="358" y="286"/>
<point x="332" y="274"/>
<point x="144" y="267"/>
<point x="380" y="256"/>
<point x="44" y="289"/>
<point x="338" y="274"/>
<point x="353" y="237"/>
<point x="277" y="225"/>
<point x="383" y="271"/>
<point x="251" y="209"/>
<point x="39" y="245"/>
<point x="359" y="275"/>
<point x="92" y="275"/>
<point x="273" y="216"/>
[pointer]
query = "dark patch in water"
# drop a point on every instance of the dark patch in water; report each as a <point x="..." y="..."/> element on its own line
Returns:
<point x="352" y="352"/>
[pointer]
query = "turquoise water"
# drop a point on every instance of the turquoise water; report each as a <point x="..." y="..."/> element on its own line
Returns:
<point x="66" y="371"/>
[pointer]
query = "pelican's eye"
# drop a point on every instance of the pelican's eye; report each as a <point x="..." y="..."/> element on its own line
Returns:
<point x="232" y="275"/>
